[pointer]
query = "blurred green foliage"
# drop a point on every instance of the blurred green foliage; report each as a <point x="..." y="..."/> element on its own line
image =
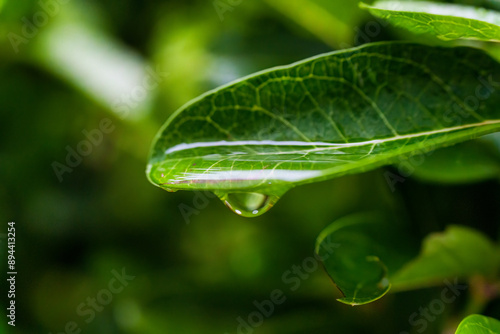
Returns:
<point x="197" y="275"/>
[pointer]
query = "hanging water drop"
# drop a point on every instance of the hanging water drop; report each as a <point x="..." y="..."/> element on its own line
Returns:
<point x="248" y="204"/>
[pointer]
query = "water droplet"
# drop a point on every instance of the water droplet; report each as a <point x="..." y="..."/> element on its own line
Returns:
<point x="248" y="204"/>
<point x="171" y="190"/>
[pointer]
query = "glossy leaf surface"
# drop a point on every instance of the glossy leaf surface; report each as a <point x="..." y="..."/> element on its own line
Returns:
<point x="334" y="114"/>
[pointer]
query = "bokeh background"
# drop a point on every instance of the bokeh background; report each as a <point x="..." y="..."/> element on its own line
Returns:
<point x="67" y="65"/>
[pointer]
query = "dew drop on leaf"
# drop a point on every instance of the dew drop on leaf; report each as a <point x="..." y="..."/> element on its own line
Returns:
<point x="248" y="204"/>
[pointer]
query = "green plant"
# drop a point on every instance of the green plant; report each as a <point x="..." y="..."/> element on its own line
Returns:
<point x="348" y="112"/>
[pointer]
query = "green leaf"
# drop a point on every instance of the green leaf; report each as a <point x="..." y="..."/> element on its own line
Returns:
<point x="446" y="21"/>
<point x="359" y="264"/>
<point x="458" y="252"/>
<point x="468" y="162"/>
<point x="372" y="255"/>
<point x="478" y="324"/>
<point x="335" y="114"/>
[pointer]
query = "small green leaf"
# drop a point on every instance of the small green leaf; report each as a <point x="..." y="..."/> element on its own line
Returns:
<point x="364" y="255"/>
<point x="446" y="21"/>
<point x="335" y="114"/>
<point x="457" y="252"/>
<point x="478" y="324"/>
<point x="373" y="254"/>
